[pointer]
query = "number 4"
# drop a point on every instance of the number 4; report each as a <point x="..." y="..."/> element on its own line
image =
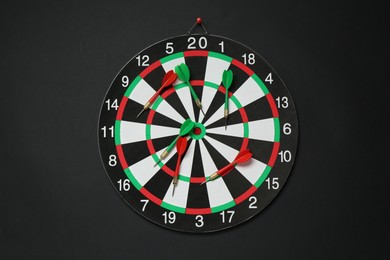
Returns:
<point x="269" y="78"/>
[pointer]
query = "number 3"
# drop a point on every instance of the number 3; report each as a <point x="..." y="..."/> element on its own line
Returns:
<point x="200" y="222"/>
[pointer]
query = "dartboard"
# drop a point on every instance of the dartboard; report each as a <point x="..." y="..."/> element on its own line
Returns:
<point x="198" y="133"/>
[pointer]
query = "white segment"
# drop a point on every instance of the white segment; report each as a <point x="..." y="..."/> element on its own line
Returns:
<point x="170" y="65"/>
<point x="214" y="69"/>
<point x="186" y="99"/>
<point x="142" y="92"/>
<point x="157" y="131"/>
<point x="143" y="170"/>
<point x="251" y="170"/>
<point x="181" y="194"/>
<point x="226" y="151"/>
<point x="167" y="110"/>
<point x="218" y="193"/>
<point x="131" y="132"/>
<point x="262" y="130"/>
<point x="163" y="108"/>
<point x="217" y="190"/>
<point x="231" y="130"/>
<point x="207" y="97"/>
<point x="247" y="93"/>
<point x="187" y="160"/>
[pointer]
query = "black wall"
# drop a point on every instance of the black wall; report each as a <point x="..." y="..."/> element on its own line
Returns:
<point x="58" y="60"/>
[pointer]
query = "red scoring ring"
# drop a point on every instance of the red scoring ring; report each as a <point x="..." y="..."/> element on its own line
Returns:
<point x="194" y="83"/>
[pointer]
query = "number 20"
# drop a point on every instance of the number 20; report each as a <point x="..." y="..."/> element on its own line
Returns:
<point x="202" y="43"/>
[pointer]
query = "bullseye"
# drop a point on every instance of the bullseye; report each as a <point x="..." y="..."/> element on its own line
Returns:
<point x="197" y="131"/>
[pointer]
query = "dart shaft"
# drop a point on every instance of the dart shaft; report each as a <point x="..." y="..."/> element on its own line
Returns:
<point x="169" y="148"/>
<point x="175" y="179"/>
<point x="226" y="169"/>
<point x="147" y="105"/>
<point x="164" y="155"/>
<point x="227" y="100"/>
<point x="194" y="95"/>
<point x="222" y="172"/>
<point x="177" y="169"/>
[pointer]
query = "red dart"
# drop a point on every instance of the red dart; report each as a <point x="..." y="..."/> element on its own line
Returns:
<point x="167" y="81"/>
<point x="243" y="156"/>
<point x="181" y="146"/>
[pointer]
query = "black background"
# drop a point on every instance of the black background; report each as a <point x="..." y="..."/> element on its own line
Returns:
<point x="57" y="62"/>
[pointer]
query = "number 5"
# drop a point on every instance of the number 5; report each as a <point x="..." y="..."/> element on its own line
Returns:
<point x="169" y="48"/>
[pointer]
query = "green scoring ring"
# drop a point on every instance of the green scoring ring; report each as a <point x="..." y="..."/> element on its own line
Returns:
<point x="157" y="103"/>
<point x="202" y="131"/>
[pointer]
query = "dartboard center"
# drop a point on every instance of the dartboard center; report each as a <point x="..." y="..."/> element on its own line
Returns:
<point x="198" y="132"/>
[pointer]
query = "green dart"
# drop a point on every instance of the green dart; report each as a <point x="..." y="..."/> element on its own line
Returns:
<point x="183" y="73"/>
<point x="227" y="78"/>
<point x="185" y="128"/>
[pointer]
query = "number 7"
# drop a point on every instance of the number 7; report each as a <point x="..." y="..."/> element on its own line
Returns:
<point x="145" y="203"/>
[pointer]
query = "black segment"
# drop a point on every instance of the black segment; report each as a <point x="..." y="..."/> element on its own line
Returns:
<point x="172" y="162"/>
<point x="199" y="91"/>
<point x="155" y="77"/>
<point x="161" y="143"/>
<point x="216" y="155"/>
<point x="131" y="110"/>
<point x="218" y="101"/>
<point x="197" y="67"/>
<point x="131" y="156"/>
<point x="261" y="150"/>
<point x="239" y="77"/>
<point x="232" y="141"/>
<point x="197" y="196"/>
<point x="197" y="165"/>
<point x="159" y="184"/>
<point x="236" y="183"/>
<point x="161" y="119"/>
<point x="233" y="118"/>
<point x="258" y="109"/>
